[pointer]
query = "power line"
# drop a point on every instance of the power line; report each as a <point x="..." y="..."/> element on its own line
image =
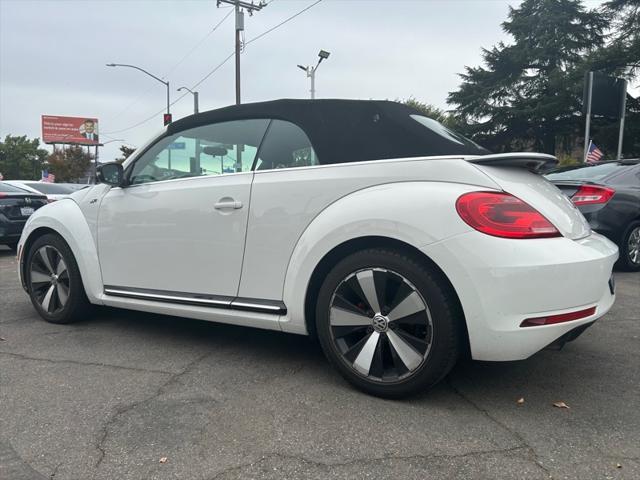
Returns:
<point x="229" y="57"/>
<point x="284" y="21"/>
<point x="179" y="62"/>
<point x="199" y="43"/>
<point x="220" y="65"/>
<point x="215" y="69"/>
<point x="148" y="118"/>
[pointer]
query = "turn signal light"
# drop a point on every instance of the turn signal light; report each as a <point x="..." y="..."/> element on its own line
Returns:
<point x="563" y="317"/>
<point x="592" y="195"/>
<point x="501" y="214"/>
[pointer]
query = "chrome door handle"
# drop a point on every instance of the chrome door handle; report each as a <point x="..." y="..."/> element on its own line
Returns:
<point x="228" y="204"/>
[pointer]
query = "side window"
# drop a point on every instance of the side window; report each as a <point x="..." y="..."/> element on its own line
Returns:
<point x="286" y="146"/>
<point x="216" y="149"/>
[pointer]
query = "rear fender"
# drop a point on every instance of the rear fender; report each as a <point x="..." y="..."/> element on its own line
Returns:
<point x="65" y="218"/>
<point x="415" y="213"/>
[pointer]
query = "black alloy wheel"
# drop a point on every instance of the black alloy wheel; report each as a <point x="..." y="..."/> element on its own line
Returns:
<point x="389" y="323"/>
<point x="54" y="281"/>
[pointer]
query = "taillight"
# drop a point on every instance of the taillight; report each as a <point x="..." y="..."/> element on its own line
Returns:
<point x="561" y="318"/>
<point x="503" y="215"/>
<point x="592" y="195"/>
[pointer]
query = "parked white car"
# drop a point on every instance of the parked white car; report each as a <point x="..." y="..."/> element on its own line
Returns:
<point x="396" y="241"/>
<point x="53" y="191"/>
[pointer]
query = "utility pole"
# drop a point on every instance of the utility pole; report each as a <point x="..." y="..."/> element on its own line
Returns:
<point x="250" y="7"/>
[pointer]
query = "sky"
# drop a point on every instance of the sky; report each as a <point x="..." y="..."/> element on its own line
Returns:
<point x="53" y="56"/>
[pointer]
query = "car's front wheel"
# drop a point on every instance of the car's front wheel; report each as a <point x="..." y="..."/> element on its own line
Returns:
<point x="630" y="248"/>
<point x="54" y="281"/>
<point x="389" y="323"/>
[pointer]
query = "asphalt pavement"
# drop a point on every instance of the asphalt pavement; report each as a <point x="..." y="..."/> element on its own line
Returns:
<point x="126" y="395"/>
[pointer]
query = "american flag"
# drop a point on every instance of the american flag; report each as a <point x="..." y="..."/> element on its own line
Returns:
<point x="594" y="154"/>
<point x="48" y="177"/>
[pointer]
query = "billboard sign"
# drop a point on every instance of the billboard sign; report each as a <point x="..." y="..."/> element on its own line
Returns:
<point x="73" y="130"/>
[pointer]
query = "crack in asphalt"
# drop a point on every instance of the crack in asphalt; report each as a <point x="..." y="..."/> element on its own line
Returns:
<point x="128" y="407"/>
<point x="532" y="453"/>
<point x="364" y="461"/>
<point x="90" y="364"/>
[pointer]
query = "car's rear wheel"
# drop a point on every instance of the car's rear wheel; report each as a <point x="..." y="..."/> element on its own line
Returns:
<point x="54" y="281"/>
<point x="13" y="245"/>
<point x="388" y="323"/>
<point x="630" y="248"/>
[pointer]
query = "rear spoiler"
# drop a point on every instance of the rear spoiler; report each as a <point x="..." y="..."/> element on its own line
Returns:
<point x="535" y="162"/>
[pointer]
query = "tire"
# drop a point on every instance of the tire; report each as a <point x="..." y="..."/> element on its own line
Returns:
<point x="630" y="248"/>
<point x="13" y="246"/>
<point x="55" y="285"/>
<point x="403" y="348"/>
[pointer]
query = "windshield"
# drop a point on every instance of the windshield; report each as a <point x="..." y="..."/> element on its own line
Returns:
<point x="592" y="173"/>
<point x="49" y="188"/>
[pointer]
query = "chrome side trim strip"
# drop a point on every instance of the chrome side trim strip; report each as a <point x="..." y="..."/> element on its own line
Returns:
<point x="213" y="301"/>
<point x="273" y="308"/>
<point x="162" y="297"/>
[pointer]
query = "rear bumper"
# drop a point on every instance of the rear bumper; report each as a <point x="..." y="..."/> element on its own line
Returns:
<point x="501" y="282"/>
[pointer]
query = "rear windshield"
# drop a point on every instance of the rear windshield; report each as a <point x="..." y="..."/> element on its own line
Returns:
<point x="6" y="188"/>
<point x="49" y="188"/>
<point x="591" y="173"/>
<point x="447" y="134"/>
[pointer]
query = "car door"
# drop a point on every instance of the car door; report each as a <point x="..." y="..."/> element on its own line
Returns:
<point x="179" y="224"/>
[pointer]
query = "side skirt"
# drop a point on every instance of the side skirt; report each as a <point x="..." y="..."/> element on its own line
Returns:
<point x="273" y="307"/>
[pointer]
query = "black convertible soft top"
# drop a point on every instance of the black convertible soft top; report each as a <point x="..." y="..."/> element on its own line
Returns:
<point x="350" y="130"/>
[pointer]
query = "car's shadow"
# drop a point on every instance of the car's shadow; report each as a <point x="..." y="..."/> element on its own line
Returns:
<point x="277" y="348"/>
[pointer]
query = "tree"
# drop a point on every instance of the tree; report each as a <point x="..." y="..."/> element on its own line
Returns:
<point x="69" y="164"/>
<point x="124" y="152"/>
<point x="21" y="158"/>
<point x="625" y="44"/>
<point x="529" y="94"/>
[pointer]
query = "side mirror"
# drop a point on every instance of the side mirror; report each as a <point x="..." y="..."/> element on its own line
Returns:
<point x="110" y="173"/>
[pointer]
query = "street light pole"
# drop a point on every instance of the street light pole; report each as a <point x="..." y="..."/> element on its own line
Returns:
<point x="311" y="71"/>
<point x="165" y="83"/>
<point x="195" y="98"/>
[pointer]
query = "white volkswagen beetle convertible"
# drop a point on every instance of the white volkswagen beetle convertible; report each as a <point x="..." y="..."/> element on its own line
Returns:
<point x="396" y="241"/>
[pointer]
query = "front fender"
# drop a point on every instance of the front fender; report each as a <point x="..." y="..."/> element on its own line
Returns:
<point x="416" y="213"/>
<point x="66" y="219"/>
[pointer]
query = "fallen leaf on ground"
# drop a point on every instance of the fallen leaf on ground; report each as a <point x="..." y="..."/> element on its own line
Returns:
<point x="163" y="460"/>
<point x="520" y="401"/>
<point x="560" y="405"/>
<point x="2" y="339"/>
<point x="618" y="465"/>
